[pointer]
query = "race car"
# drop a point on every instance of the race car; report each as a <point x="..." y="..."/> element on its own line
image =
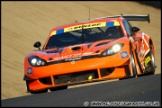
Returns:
<point x="91" y="50"/>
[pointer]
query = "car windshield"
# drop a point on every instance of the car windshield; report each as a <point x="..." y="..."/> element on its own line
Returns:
<point x="84" y="36"/>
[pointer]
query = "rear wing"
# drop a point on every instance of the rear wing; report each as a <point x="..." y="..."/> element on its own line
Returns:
<point x="130" y="17"/>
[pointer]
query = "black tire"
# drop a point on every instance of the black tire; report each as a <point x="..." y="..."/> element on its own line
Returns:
<point x="58" y="88"/>
<point x="138" y="61"/>
<point x="151" y="64"/>
<point x="132" y="65"/>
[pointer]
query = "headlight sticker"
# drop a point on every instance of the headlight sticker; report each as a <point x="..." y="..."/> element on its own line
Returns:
<point x="29" y="71"/>
<point x="124" y="54"/>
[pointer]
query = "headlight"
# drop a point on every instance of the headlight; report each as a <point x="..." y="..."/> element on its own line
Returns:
<point x="36" y="61"/>
<point x="112" y="50"/>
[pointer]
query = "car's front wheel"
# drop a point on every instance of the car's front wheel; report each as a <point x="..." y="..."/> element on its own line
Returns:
<point x="132" y="65"/>
<point x="130" y="69"/>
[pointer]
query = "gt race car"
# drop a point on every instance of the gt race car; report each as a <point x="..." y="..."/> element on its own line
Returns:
<point x="92" y="50"/>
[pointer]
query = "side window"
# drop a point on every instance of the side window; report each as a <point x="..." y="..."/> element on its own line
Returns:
<point x="127" y="27"/>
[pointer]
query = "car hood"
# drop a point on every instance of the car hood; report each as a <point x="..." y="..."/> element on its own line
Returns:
<point x="75" y="52"/>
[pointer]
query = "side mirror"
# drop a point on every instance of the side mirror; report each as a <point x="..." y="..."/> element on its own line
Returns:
<point x="37" y="45"/>
<point x="135" y="29"/>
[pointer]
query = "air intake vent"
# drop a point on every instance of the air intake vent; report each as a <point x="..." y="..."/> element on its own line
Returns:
<point x="53" y="51"/>
<point x="76" y="48"/>
<point x="102" y="43"/>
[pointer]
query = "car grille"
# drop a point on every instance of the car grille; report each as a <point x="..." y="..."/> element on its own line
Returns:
<point x="75" y="77"/>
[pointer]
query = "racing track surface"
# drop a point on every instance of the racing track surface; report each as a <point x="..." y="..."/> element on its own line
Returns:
<point x="25" y="22"/>
<point x="142" y="89"/>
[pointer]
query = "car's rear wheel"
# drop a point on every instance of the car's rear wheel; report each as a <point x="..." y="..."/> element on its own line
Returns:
<point x="149" y="63"/>
<point x="152" y="62"/>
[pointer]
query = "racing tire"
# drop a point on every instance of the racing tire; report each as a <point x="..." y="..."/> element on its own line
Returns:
<point x="138" y="62"/>
<point x="152" y="62"/>
<point x="130" y="68"/>
<point x="132" y="65"/>
<point x="152" y="65"/>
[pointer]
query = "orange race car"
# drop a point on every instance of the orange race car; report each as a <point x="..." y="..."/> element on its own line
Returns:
<point x="92" y="50"/>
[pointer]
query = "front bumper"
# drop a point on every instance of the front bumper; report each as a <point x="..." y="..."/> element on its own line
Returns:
<point x="68" y="73"/>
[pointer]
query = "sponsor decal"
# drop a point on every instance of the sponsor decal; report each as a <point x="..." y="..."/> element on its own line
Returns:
<point x="71" y="56"/>
<point x="70" y="29"/>
<point x="77" y="56"/>
<point x="29" y="71"/>
<point x="73" y="59"/>
<point x="147" y="60"/>
<point x="124" y="54"/>
<point x="85" y="26"/>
